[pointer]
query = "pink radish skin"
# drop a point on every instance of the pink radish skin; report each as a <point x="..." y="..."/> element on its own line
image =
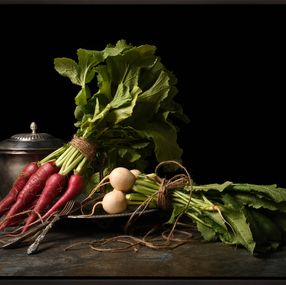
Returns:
<point x="54" y="186"/>
<point x="20" y="218"/>
<point x="74" y="188"/>
<point x="17" y="186"/>
<point x="29" y="193"/>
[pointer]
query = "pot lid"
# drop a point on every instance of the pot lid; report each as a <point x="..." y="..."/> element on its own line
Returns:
<point x="31" y="141"/>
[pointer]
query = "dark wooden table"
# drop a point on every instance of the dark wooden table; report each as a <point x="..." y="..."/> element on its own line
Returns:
<point x="192" y="261"/>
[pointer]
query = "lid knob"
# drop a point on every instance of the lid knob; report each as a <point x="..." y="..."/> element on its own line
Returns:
<point x="33" y="127"/>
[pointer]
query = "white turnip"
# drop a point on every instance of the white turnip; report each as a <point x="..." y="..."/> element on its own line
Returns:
<point x="121" y="179"/>
<point x="114" y="202"/>
<point x="135" y="172"/>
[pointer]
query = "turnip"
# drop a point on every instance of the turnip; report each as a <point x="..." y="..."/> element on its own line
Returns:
<point x="135" y="172"/>
<point x="121" y="179"/>
<point x="114" y="202"/>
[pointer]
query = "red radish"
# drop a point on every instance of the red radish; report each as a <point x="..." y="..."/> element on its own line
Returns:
<point x="17" y="186"/>
<point x="21" y="217"/>
<point x="75" y="186"/>
<point x="34" y="186"/>
<point x="54" y="186"/>
<point x="18" y="219"/>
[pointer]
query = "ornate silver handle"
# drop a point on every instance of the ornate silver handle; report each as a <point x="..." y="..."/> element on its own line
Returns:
<point x="33" y="127"/>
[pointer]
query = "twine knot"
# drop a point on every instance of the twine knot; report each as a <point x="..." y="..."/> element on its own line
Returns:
<point x="87" y="148"/>
<point x="164" y="198"/>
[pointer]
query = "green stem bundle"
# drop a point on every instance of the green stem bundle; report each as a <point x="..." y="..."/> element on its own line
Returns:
<point x="248" y="215"/>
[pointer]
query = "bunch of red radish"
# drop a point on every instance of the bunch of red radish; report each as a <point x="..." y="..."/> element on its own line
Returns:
<point x="44" y="187"/>
<point x="35" y="191"/>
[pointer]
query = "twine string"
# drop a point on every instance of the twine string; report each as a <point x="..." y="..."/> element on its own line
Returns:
<point x="167" y="239"/>
<point x="131" y="242"/>
<point x="175" y="182"/>
<point x="164" y="195"/>
<point x="87" y="148"/>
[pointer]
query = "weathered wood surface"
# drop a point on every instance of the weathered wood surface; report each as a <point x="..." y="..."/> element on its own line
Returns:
<point x="195" y="259"/>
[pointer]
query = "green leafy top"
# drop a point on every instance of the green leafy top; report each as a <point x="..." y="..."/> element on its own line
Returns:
<point x="126" y="102"/>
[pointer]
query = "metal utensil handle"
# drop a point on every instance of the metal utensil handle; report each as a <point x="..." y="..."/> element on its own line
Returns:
<point x="15" y="241"/>
<point x="65" y="211"/>
<point x="34" y="246"/>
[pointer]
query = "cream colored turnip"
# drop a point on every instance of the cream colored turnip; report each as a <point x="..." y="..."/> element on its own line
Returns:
<point x="121" y="179"/>
<point x="114" y="202"/>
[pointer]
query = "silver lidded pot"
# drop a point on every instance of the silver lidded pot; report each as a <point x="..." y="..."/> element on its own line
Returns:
<point x="19" y="150"/>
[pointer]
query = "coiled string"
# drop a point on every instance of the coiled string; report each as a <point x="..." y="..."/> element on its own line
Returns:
<point x="167" y="239"/>
<point x="87" y="148"/>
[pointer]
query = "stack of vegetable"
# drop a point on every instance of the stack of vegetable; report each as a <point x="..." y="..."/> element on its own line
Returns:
<point x="124" y="112"/>
<point x="248" y="215"/>
<point x="125" y="116"/>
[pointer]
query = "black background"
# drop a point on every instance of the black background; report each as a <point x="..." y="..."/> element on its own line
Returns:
<point x="229" y="61"/>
